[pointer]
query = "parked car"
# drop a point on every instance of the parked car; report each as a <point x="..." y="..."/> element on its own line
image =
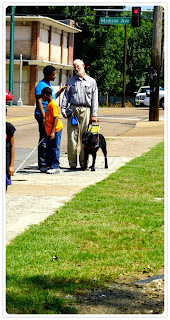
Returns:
<point x="143" y="96"/>
<point x="146" y="100"/>
<point x="9" y="96"/>
<point x="140" y="95"/>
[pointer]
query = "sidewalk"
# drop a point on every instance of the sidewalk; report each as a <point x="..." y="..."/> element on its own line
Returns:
<point x="34" y="196"/>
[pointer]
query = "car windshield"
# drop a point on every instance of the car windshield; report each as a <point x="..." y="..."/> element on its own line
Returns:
<point x="143" y="90"/>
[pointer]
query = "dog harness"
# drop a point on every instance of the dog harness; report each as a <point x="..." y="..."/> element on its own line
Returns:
<point x="94" y="128"/>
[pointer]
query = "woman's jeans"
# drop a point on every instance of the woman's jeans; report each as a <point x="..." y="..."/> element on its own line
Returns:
<point x="42" y="146"/>
<point x="53" y="151"/>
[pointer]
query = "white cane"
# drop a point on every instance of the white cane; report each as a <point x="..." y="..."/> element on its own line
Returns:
<point x="28" y="157"/>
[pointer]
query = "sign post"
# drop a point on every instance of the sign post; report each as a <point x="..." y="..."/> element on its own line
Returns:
<point x="119" y="21"/>
<point x="124" y="71"/>
<point x="19" y="102"/>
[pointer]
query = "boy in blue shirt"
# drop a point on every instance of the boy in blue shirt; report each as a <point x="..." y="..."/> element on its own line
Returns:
<point x="49" y="75"/>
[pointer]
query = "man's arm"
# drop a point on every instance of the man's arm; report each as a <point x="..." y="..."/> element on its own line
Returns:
<point x="94" y="103"/>
<point x="65" y="100"/>
<point x="40" y="106"/>
<point x="11" y="167"/>
<point x="60" y="91"/>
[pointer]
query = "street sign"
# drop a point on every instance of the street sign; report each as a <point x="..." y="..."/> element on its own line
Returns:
<point x="114" y="20"/>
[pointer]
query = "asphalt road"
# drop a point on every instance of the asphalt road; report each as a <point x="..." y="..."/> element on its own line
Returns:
<point x="113" y="122"/>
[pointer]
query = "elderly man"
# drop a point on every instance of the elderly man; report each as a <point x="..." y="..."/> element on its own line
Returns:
<point x="82" y="95"/>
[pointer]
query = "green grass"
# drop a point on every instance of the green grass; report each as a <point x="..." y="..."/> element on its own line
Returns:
<point x="113" y="228"/>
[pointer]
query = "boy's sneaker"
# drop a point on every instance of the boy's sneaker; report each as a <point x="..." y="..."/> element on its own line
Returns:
<point x="52" y="171"/>
<point x="44" y="169"/>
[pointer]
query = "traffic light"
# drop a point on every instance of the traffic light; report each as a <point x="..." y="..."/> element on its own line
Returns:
<point x="136" y="15"/>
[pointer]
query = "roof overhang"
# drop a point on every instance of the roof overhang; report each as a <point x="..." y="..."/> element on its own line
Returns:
<point x="43" y="63"/>
<point x="46" y="20"/>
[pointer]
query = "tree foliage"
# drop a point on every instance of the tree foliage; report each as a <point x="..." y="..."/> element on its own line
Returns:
<point x="139" y="56"/>
<point x="102" y="47"/>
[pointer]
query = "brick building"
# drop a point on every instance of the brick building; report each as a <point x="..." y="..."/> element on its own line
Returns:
<point x="41" y="41"/>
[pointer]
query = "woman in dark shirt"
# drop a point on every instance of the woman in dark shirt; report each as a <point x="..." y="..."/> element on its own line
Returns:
<point x="10" y="152"/>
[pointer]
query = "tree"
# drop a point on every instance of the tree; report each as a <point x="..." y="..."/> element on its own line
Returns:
<point x="102" y="47"/>
<point x="139" y="56"/>
<point x="108" y="67"/>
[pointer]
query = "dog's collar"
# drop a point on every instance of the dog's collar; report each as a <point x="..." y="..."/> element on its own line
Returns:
<point x="97" y="145"/>
<point x="92" y="147"/>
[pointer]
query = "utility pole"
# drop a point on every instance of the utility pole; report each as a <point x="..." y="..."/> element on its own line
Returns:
<point x="11" y="66"/>
<point x="124" y="71"/>
<point x="155" y="64"/>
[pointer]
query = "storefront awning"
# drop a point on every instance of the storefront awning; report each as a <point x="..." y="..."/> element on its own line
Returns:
<point x="42" y="63"/>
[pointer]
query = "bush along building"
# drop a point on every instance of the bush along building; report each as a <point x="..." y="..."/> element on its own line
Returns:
<point x="41" y="41"/>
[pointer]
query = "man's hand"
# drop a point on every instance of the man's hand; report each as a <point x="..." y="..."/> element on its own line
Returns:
<point x="93" y="119"/>
<point x="64" y="115"/>
<point x="11" y="170"/>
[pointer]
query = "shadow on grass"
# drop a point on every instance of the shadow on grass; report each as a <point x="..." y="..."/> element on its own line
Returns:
<point x="54" y="295"/>
<point x="37" y="295"/>
<point x="120" y="300"/>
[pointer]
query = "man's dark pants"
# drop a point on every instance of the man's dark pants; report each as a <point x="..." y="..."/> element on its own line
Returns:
<point x="42" y="146"/>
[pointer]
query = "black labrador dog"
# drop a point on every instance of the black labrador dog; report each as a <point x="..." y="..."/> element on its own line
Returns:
<point x="92" y="142"/>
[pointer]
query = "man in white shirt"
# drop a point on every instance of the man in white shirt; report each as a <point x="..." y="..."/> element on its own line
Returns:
<point x="82" y="95"/>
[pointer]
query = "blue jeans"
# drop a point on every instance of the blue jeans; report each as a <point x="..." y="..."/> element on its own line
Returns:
<point x="53" y="151"/>
<point x="42" y="146"/>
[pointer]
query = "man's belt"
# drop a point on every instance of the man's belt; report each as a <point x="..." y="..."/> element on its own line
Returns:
<point x="80" y="105"/>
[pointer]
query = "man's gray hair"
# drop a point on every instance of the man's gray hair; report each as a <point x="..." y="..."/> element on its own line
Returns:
<point x="78" y="61"/>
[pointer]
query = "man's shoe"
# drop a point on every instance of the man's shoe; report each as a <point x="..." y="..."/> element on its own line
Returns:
<point x="52" y="171"/>
<point x="85" y="169"/>
<point x="43" y="169"/>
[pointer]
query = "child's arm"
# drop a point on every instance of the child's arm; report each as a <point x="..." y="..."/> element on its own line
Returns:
<point x="52" y="134"/>
<point x="11" y="167"/>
